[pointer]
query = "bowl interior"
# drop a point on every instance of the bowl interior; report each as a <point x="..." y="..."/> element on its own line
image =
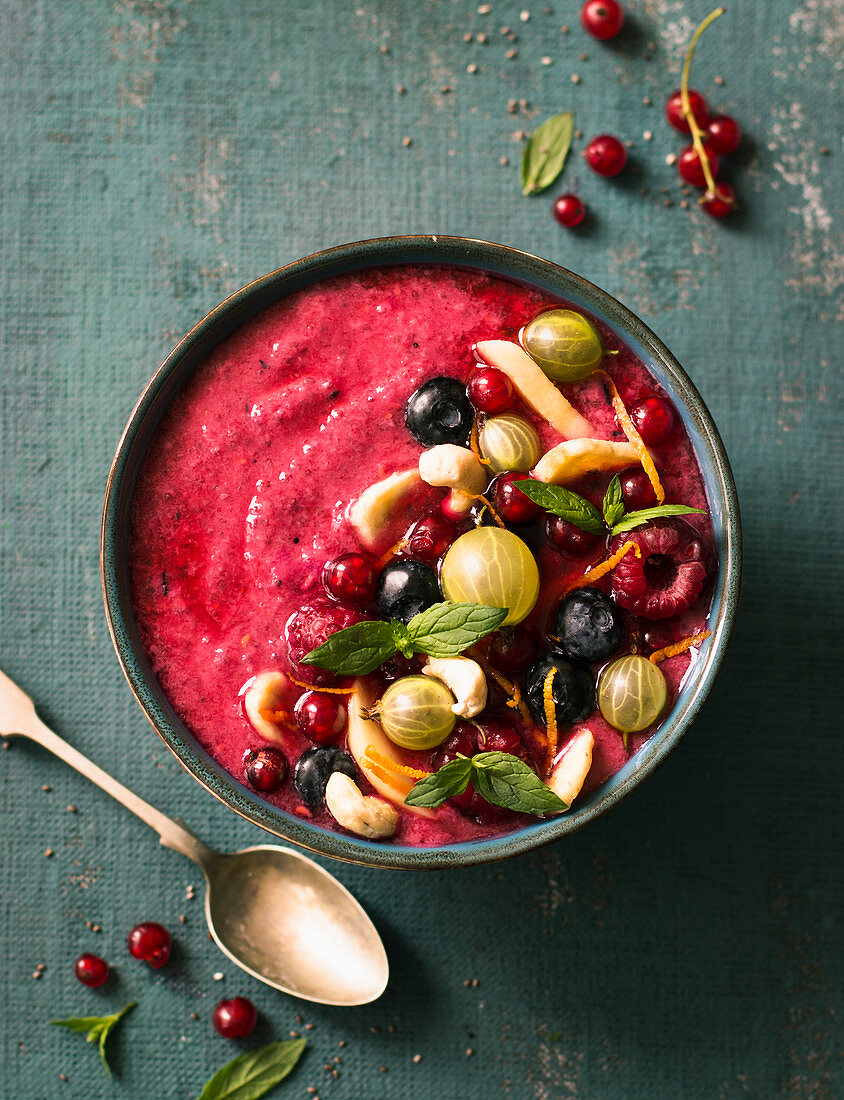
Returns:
<point x="243" y="305"/>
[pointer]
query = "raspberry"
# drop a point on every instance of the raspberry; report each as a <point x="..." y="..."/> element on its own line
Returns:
<point x="309" y="627"/>
<point x="668" y="577"/>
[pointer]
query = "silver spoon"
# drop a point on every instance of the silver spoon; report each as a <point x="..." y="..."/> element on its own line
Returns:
<point x="273" y="911"/>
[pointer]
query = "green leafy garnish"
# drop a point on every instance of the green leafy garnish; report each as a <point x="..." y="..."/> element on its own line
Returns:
<point x="636" y="519"/>
<point x="613" y="506"/>
<point x="98" y="1028"/>
<point x="443" y="630"/>
<point x="546" y="152"/>
<point x="499" y="777"/>
<point x="583" y="514"/>
<point x="252" y="1074"/>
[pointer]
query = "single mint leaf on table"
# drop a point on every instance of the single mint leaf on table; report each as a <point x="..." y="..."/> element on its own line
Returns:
<point x="446" y="629"/>
<point x="613" y="507"/>
<point x="355" y="650"/>
<point x="508" y="782"/>
<point x="434" y="789"/>
<point x="563" y="502"/>
<point x="98" y="1028"/>
<point x="546" y="152"/>
<point x="636" y="519"/>
<point x="252" y="1074"/>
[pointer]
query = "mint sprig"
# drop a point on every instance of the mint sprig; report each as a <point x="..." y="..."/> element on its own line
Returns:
<point x="583" y="513"/>
<point x="443" y="630"/>
<point x="499" y="777"/>
<point x="253" y="1073"/>
<point x="96" y="1028"/>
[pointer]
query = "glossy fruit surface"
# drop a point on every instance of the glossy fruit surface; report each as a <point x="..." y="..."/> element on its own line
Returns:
<point x="320" y="716"/>
<point x="314" y="768"/>
<point x="691" y="169"/>
<point x="235" y="1019"/>
<point x="151" y="942"/>
<point x="494" y="567"/>
<point x="415" y="712"/>
<point x="573" y="689"/>
<point x="91" y="970"/>
<point x="668" y="577"/>
<point x="723" y="134"/>
<point x="568" y="210"/>
<point x="654" y="419"/>
<point x="510" y="502"/>
<point x="266" y="769"/>
<point x="572" y="540"/>
<point x="564" y="343"/>
<point x="509" y="442"/>
<point x="674" y="111"/>
<point x="636" y="489"/>
<point x="309" y="627"/>
<point x="603" y="19"/>
<point x="490" y="391"/>
<point x="631" y="693"/>
<point x="512" y="649"/>
<point x="351" y="579"/>
<point x="405" y="588"/>
<point x="722" y="203"/>
<point x="605" y="155"/>
<point x="439" y="412"/>
<point x="430" y="537"/>
<point x="589" y="625"/>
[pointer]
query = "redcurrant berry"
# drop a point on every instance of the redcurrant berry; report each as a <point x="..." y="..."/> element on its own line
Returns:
<point x="569" y="538"/>
<point x="266" y="769"/>
<point x="510" y="502"/>
<point x="691" y="169"/>
<point x="151" y="942"/>
<point x="91" y="970"/>
<point x="430" y="537"/>
<point x="636" y="489"/>
<point x="602" y="18"/>
<point x="568" y="210"/>
<point x="723" y="134"/>
<point x="654" y="420"/>
<point x="235" y="1019"/>
<point x="722" y="203"/>
<point x="320" y="716"/>
<point x="490" y="390"/>
<point x="605" y="155"/>
<point x="674" y="111"/>
<point x="351" y="579"/>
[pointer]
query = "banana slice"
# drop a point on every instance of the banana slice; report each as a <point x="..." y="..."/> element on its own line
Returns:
<point x="364" y="732"/>
<point x="570" y="460"/>
<point x="266" y="701"/>
<point x="534" y="386"/>
<point x="571" y="769"/>
<point x="371" y="511"/>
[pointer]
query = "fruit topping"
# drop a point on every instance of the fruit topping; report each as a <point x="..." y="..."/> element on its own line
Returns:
<point x="509" y="442"/>
<point x="350" y="579"/>
<point x="465" y="680"/>
<point x="630" y="430"/>
<point x="430" y="537"/>
<point x="362" y="814"/>
<point x="568" y="210"/>
<point x="605" y="155"/>
<point x="631" y="693"/>
<point x="636" y="489"/>
<point x="454" y="468"/>
<point x="312" y="625"/>
<point x="490" y="391"/>
<point x="91" y="970"/>
<point x="439" y="412"/>
<point x="569" y="773"/>
<point x="573" y="459"/>
<point x="534" y="387"/>
<point x="572" y="689"/>
<point x="568" y="537"/>
<point x="405" y="588"/>
<point x="667" y="576"/>
<point x="513" y="648"/>
<point x="603" y="19"/>
<point x="266" y="769"/>
<point x="320" y="717"/>
<point x="372" y="511"/>
<point x="492" y="567"/>
<point x="151" y="942"/>
<point x="313" y="770"/>
<point x="654" y="419"/>
<point x="268" y="704"/>
<point x="604" y="567"/>
<point x="510" y="502"/>
<point x="565" y="344"/>
<point x="589" y="625"/>
<point x="674" y="111"/>
<point x="235" y="1019"/>
<point x="676" y="648"/>
<point x="416" y="712"/>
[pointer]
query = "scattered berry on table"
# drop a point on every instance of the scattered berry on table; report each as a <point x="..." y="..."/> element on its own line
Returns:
<point x="603" y="19"/>
<point x="235" y="1019"/>
<point x="723" y="134"/>
<point x="490" y="390"/>
<point x="430" y="537"/>
<point x="351" y="579"/>
<point x="572" y="690"/>
<point x="605" y="155"/>
<point x="722" y="203"/>
<point x="266" y="769"/>
<point x="668" y="577"/>
<point x="674" y="111"/>
<point x="439" y="412"/>
<point x="510" y="502"/>
<point x="321" y="717"/>
<point x="405" y="588"/>
<point x="636" y="489"/>
<point x="691" y="169"/>
<point x="314" y="769"/>
<point x="91" y="970"/>
<point x="589" y="625"/>
<point x="654" y="419"/>
<point x="569" y="538"/>
<point x="151" y="942"/>
<point x="568" y="210"/>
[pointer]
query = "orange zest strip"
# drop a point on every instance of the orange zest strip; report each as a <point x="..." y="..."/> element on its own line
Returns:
<point x="492" y="511"/>
<point x="380" y="760"/>
<point x="507" y="686"/>
<point x="550" y="719"/>
<point x="629" y="429"/>
<point x="281" y="717"/>
<point x="317" y="687"/>
<point x="605" y="567"/>
<point x="473" y="443"/>
<point x="388" y="555"/>
<point x="678" y="647"/>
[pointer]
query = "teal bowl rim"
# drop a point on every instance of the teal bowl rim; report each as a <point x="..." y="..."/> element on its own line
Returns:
<point x="430" y="249"/>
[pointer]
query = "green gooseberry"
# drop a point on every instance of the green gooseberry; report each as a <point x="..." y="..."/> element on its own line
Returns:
<point x="415" y="712"/>
<point x="632" y="693"/>
<point x="565" y="344"/>
<point x="491" y="566"/>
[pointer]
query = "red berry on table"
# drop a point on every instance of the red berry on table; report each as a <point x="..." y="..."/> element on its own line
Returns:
<point x="320" y="716"/>
<point x="654" y="420"/>
<point x="674" y="111"/>
<point x="722" y="203"/>
<point x="151" y="942"/>
<point x="510" y="502"/>
<point x="636" y="489"/>
<point x="266" y="769"/>
<point x="690" y="168"/>
<point x="235" y="1019"/>
<point x="603" y="19"/>
<point x="605" y="155"/>
<point x="723" y="134"/>
<point x="351" y="579"/>
<point x="490" y="390"/>
<point x="568" y="537"/>
<point x="430" y="537"/>
<point x="91" y="970"/>
<point x="568" y="210"/>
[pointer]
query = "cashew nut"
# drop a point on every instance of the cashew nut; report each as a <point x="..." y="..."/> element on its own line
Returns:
<point x="266" y="702"/>
<point x="464" y="679"/>
<point x="362" y="814"/>
<point x="454" y="467"/>
<point x="571" y="770"/>
<point x="371" y="512"/>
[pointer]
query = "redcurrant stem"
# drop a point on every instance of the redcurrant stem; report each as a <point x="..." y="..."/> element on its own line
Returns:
<point x="688" y="114"/>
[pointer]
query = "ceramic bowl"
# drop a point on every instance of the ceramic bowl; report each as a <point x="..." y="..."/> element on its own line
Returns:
<point x="240" y="307"/>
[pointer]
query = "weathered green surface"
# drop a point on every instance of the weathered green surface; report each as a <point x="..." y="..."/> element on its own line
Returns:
<point x="157" y="155"/>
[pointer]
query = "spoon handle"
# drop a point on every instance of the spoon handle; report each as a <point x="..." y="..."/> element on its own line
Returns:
<point x="18" y="718"/>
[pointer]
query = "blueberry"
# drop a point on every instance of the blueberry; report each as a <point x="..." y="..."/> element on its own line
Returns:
<point x="313" y="771"/>
<point x="589" y="625"/>
<point x="439" y="412"/>
<point x="405" y="588"/>
<point x="573" y="689"/>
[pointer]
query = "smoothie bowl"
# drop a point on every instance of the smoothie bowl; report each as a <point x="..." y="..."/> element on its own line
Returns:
<point x="420" y="552"/>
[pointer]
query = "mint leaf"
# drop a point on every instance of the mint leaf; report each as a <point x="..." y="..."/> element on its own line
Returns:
<point x="563" y="502"/>
<point x="636" y="519"/>
<point x="434" y="789"/>
<point x="446" y="629"/>
<point x="252" y="1074"/>
<point x="507" y="781"/>
<point x="546" y="152"/>
<point x="613" y="507"/>
<point x="98" y="1028"/>
<point x="355" y="650"/>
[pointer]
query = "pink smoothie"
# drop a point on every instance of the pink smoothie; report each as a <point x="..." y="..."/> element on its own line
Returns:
<point x="243" y="494"/>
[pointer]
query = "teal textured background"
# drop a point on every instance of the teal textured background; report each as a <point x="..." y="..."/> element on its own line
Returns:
<point x="157" y="155"/>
